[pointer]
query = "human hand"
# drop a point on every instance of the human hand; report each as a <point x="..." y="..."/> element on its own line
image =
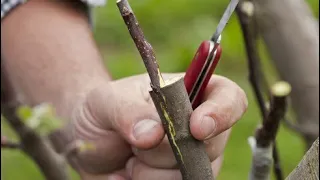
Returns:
<point x="122" y="122"/>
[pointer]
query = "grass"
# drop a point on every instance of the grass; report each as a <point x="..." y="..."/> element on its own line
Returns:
<point x="175" y="31"/>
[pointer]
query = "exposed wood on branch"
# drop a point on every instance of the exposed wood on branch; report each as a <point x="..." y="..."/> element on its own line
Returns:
<point x="173" y="106"/>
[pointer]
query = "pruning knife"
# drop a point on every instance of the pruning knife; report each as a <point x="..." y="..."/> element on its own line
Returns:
<point x="206" y="59"/>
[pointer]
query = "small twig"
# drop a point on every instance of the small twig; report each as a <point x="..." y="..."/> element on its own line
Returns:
<point x="276" y="162"/>
<point x="291" y="125"/>
<point x="245" y="11"/>
<point x="173" y="105"/>
<point x="6" y="143"/>
<point x="144" y="48"/>
<point x="39" y="149"/>
<point x="265" y="135"/>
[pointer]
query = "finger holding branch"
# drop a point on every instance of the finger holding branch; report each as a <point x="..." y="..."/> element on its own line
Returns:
<point x="172" y="103"/>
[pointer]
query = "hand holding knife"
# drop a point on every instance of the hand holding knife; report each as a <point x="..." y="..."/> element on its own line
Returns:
<point x="206" y="60"/>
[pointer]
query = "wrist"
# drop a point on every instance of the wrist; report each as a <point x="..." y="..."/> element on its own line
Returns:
<point x="72" y="101"/>
<point x="74" y="95"/>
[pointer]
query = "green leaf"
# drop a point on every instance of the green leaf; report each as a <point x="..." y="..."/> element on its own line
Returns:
<point x="24" y="112"/>
<point x="41" y="118"/>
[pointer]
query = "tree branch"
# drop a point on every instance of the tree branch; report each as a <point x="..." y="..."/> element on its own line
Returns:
<point x="144" y="48"/>
<point x="295" y="127"/>
<point x="6" y="143"/>
<point x="291" y="34"/>
<point x="265" y="136"/>
<point x="278" y="106"/>
<point x="245" y="10"/>
<point x="173" y="105"/>
<point x="308" y="168"/>
<point x="39" y="149"/>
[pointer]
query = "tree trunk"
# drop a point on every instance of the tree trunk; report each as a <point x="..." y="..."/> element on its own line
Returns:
<point x="291" y="36"/>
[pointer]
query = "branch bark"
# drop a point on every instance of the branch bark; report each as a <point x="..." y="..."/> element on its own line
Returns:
<point x="39" y="149"/>
<point x="265" y="136"/>
<point x="174" y="108"/>
<point x="291" y="36"/>
<point x="245" y="11"/>
<point x="8" y="144"/>
<point x="173" y="105"/>
<point x="308" y="168"/>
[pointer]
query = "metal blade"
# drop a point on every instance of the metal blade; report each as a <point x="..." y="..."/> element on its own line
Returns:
<point x="224" y="20"/>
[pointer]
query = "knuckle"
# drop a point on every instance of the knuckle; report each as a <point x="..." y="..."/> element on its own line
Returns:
<point x="224" y="117"/>
<point x="243" y="99"/>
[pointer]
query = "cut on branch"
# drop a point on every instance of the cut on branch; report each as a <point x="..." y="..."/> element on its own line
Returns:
<point x="173" y="106"/>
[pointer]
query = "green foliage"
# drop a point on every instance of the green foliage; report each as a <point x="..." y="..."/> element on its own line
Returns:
<point x="24" y="112"/>
<point x="41" y="118"/>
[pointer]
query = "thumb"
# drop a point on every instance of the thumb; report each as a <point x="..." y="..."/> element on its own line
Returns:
<point x="125" y="106"/>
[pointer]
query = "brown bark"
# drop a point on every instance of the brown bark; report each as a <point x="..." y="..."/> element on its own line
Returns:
<point x="173" y="106"/>
<point x="144" y="48"/>
<point x="308" y="168"/>
<point x="52" y="166"/>
<point x="278" y="107"/>
<point x="256" y="76"/>
<point x="291" y="36"/>
<point x="175" y="109"/>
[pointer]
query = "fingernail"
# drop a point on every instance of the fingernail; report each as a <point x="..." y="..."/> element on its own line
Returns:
<point x="113" y="177"/>
<point x="144" y="128"/>
<point x="130" y="167"/>
<point x="208" y="126"/>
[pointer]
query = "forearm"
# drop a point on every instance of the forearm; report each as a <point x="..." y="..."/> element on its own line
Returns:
<point x="49" y="53"/>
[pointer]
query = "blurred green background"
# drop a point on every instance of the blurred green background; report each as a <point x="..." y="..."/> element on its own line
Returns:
<point x="175" y="30"/>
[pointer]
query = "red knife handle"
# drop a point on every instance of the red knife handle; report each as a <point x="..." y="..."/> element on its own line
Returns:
<point x="196" y="70"/>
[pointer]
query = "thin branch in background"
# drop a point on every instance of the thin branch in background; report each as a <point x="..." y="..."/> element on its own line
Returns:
<point x="37" y="148"/>
<point x="278" y="106"/>
<point x="267" y="134"/>
<point x="262" y="143"/>
<point x="245" y="11"/>
<point x="8" y="144"/>
<point x="173" y="106"/>
<point x="293" y="126"/>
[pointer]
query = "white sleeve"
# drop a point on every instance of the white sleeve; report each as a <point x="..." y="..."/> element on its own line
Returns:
<point x="9" y="5"/>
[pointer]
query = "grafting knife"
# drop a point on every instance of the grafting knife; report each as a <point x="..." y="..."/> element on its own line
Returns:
<point x="205" y="60"/>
